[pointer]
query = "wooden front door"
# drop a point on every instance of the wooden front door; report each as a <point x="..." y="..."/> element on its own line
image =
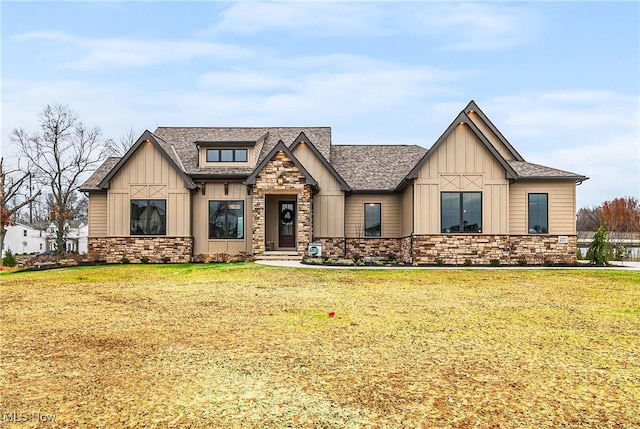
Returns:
<point x="286" y="224"/>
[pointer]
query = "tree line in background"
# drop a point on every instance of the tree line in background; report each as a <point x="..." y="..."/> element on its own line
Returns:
<point x="616" y="226"/>
<point x="620" y="216"/>
<point x="53" y="161"/>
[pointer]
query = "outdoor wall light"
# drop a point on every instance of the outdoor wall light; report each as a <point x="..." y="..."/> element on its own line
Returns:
<point x="280" y="180"/>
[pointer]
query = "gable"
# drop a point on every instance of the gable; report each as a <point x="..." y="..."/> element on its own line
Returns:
<point x="492" y="133"/>
<point x="146" y="171"/>
<point x="461" y="161"/>
<point x="459" y="157"/>
<point x="147" y="141"/>
<point x="317" y="165"/>
<point x="280" y="147"/>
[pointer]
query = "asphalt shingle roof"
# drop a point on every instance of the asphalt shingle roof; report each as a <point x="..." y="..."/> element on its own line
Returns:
<point x="375" y="167"/>
<point x="528" y="170"/>
<point x="91" y="184"/>
<point x="183" y="140"/>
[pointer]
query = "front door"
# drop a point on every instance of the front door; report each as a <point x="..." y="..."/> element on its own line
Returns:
<point x="287" y="224"/>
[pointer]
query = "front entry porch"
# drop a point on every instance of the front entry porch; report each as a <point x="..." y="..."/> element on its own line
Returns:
<point x="282" y="203"/>
<point x="281" y="218"/>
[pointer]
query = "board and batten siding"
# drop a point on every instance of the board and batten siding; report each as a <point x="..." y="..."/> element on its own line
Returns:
<point x="391" y="216"/>
<point x="148" y="175"/>
<point x="461" y="164"/>
<point x="491" y="136"/>
<point x="328" y="204"/>
<point x="561" y="200"/>
<point x="97" y="214"/>
<point x="215" y="191"/>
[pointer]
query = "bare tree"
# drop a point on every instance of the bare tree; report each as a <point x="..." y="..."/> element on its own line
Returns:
<point x="11" y="186"/>
<point x="61" y="153"/>
<point x="118" y="147"/>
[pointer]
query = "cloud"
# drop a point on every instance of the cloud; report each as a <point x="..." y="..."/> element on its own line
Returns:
<point x="452" y="26"/>
<point x="304" y="18"/>
<point x="476" y="26"/>
<point x="124" y="52"/>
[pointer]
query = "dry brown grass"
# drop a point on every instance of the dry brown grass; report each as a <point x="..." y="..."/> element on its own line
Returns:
<point x="251" y="346"/>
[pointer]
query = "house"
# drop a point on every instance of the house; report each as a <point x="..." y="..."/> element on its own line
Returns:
<point x="181" y="193"/>
<point x="24" y="239"/>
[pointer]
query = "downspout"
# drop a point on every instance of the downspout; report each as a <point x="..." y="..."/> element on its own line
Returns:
<point x="344" y="225"/>
<point x="413" y="222"/>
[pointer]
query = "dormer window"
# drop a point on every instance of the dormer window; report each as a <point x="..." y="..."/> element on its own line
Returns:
<point x="226" y="155"/>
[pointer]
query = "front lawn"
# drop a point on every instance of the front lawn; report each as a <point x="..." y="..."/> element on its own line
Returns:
<point x="243" y="345"/>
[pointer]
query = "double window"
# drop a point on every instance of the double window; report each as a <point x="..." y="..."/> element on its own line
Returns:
<point x="226" y="219"/>
<point x="148" y="217"/>
<point x="538" y="213"/>
<point x="461" y="212"/>
<point x="226" y="155"/>
<point x="372" y="220"/>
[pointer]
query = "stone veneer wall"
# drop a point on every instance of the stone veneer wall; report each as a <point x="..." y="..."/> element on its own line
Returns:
<point x="374" y="247"/>
<point x="155" y="249"/>
<point x="481" y="249"/>
<point x="332" y="247"/>
<point x="267" y="184"/>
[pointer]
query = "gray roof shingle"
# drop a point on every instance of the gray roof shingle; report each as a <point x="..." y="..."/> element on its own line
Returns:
<point x="183" y="140"/>
<point x="375" y="167"/>
<point x="528" y="170"/>
<point x="91" y="184"/>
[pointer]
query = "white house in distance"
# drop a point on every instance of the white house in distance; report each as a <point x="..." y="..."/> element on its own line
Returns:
<point x="23" y="239"/>
<point x="77" y="235"/>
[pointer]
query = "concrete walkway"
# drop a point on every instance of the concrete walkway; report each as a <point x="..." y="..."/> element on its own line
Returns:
<point x="615" y="265"/>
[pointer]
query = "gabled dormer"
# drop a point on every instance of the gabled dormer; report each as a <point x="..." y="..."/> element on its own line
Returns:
<point x="229" y="153"/>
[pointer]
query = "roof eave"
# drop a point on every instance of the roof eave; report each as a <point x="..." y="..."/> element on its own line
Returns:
<point x="473" y="107"/>
<point x="302" y="138"/>
<point x="280" y="146"/>
<point x="551" y="178"/>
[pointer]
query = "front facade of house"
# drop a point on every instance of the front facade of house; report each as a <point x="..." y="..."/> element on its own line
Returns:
<point x="183" y="194"/>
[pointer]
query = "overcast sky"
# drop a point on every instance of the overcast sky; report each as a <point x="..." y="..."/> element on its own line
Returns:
<point x="559" y="80"/>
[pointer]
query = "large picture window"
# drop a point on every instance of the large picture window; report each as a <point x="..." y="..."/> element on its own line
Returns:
<point x="148" y="217"/>
<point x="538" y="213"/>
<point x="372" y="220"/>
<point x="461" y="212"/>
<point x="226" y="155"/>
<point x="226" y="219"/>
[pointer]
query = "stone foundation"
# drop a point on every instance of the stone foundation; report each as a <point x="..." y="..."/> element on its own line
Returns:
<point x="383" y="248"/>
<point x="483" y="249"/>
<point x="137" y="249"/>
<point x="332" y="247"/>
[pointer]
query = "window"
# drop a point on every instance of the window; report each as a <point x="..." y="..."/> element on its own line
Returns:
<point x="226" y="219"/>
<point x="461" y="212"/>
<point x="24" y="232"/>
<point x="538" y="213"/>
<point x="226" y="155"/>
<point x="372" y="220"/>
<point x="148" y="217"/>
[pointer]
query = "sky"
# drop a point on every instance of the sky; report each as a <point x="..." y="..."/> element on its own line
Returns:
<point x="560" y="80"/>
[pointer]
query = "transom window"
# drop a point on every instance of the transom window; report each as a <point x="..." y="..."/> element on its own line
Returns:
<point x="226" y="155"/>
<point x="372" y="220"/>
<point x="226" y="219"/>
<point x="148" y="217"/>
<point x="538" y="213"/>
<point x="461" y="212"/>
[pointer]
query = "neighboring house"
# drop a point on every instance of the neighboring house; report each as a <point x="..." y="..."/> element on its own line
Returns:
<point x="76" y="239"/>
<point x="184" y="192"/>
<point x="23" y="239"/>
